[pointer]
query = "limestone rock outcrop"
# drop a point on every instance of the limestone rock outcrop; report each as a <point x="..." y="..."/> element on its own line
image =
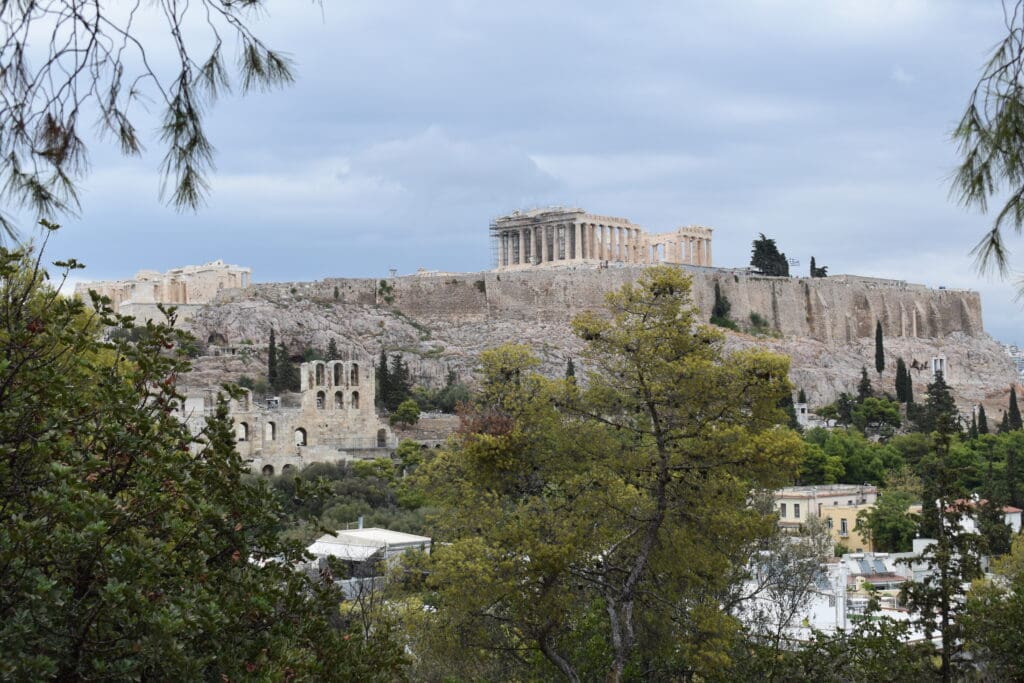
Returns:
<point x="441" y="321"/>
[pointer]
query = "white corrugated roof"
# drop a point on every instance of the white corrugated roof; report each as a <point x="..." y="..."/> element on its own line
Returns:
<point x="358" y="545"/>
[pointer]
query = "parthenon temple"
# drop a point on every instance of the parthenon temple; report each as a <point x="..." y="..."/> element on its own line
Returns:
<point x="558" y="236"/>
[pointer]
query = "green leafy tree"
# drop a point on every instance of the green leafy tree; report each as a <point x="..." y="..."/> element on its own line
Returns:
<point x="889" y="524"/>
<point x="406" y="414"/>
<point x="766" y="258"/>
<point x="133" y="549"/>
<point x="1013" y="414"/>
<point x="71" y="60"/>
<point x="994" y="617"/>
<point x="879" y="348"/>
<point x="564" y="511"/>
<point x="877" y="416"/>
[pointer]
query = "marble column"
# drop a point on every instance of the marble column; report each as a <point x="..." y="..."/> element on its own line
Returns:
<point x="543" y="243"/>
<point x="501" y="249"/>
<point x="578" y="256"/>
<point x="709" y="252"/>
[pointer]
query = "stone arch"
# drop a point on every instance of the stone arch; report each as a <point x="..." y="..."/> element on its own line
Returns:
<point x="269" y="431"/>
<point x="287" y="469"/>
<point x="300" y="437"/>
<point x="319" y="374"/>
<point x="339" y="401"/>
<point x="242" y="431"/>
<point x="382" y="438"/>
<point x="217" y="339"/>
<point x="268" y="470"/>
<point x="354" y="403"/>
<point x="354" y="375"/>
<point x="337" y="374"/>
<point x="321" y="400"/>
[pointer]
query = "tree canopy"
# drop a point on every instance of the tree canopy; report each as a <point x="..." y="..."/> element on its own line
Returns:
<point x="766" y="258"/>
<point x="69" y="66"/>
<point x="133" y="549"/>
<point x="566" y="508"/>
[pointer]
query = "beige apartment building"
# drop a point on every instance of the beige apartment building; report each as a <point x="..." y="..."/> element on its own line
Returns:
<point x="837" y="504"/>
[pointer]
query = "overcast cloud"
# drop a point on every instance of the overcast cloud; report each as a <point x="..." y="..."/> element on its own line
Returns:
<point x="822" y="124"/>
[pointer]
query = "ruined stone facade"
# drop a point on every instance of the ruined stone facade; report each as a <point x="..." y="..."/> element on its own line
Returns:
<point x="557" y="236"/>
<point x="335" y="420"/>
<point x="183" y="287"/>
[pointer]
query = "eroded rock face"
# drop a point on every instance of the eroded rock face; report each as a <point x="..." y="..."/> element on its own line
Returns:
<point x="443" y="321"/>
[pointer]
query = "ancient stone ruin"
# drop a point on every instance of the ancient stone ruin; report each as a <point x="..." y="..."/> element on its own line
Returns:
<point x="558" y="236"/>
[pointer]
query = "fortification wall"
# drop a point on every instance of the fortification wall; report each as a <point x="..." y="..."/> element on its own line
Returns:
<point x="833" y="310"/>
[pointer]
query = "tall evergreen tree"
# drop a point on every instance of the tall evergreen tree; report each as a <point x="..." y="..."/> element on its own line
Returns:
<point x="908" y="388"/>
<point x="272" y="372"/>
<point x="813" y="269"/>
<point x="570" y="368"/>
<point x="287" y="371"/>
<point x="879" y="348"/>
<point x="982" y="420"/>
<point x="1014" y="414"/>
<point x="383" y="379"/>
<point x="332" y="350"/>
<point x="802" y="397"/>
<point x="939" y="412"/>
<point x="767" y="259"/>
<point x="864" y="385"/>
<point x="1004" y="423"/>
<point x="901" y="380"/>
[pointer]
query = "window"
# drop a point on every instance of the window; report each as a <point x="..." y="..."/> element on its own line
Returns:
<point x="320" y="398"/>
<point x="269" y="431"/>
<point x="843" y="529"/>
<point x="782" y="510"/>
<point x="796" y="510"/>
<point x="354" y="403"/>
<point x="828" y="522"/>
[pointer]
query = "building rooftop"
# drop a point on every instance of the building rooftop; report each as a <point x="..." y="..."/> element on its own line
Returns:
<point x="826" y="490"/>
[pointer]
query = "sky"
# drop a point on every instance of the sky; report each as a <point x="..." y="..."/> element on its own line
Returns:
<point x="411" y="125"/>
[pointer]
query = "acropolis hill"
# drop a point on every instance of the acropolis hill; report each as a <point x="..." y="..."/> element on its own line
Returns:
<point x="550" y="269"/>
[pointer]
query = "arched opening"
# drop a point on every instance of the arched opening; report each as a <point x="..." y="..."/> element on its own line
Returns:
<point x="339" y="401"/>
<point x="354" y="375"/>
<point x="300" y="437"/>
<point x="337" y="374"/>
<point x="268" y="470"/>
<point x="287" y="469"/>
<point x="269" y="431"/>
<point x="319" y="374"/>
<point x="217" y="339"/>
<point x="382" y="438"/>
<point x="355" y="400"/>
<point x="242" y="431"/>
<point x="320" y="398"/>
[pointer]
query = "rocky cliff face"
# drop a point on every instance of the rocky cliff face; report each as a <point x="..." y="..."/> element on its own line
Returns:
<point x="443" y="321"/>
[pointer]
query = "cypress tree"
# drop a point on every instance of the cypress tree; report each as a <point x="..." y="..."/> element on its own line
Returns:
<point x="939" y="413"/>
<point x="1014" y="414"/>
<point x="982" y="420"/>
<point x="879" y="348"/>
<point x="972" y="431"/>
<point x="1004" y="423"/>
<point x="272" y="373"/>
<point x="720" y="310"/>
<point x="383" y="379"/>
<point x="901" y="380"/>
<point x="570" y="367"/>
<point x="813" y="269"/>
<point x="801" y="397"/>
<point x="908" y="388"/>
<point x="332" y="349"/>
<point x="287" y="373"/>
<point x="864" y="386"/>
